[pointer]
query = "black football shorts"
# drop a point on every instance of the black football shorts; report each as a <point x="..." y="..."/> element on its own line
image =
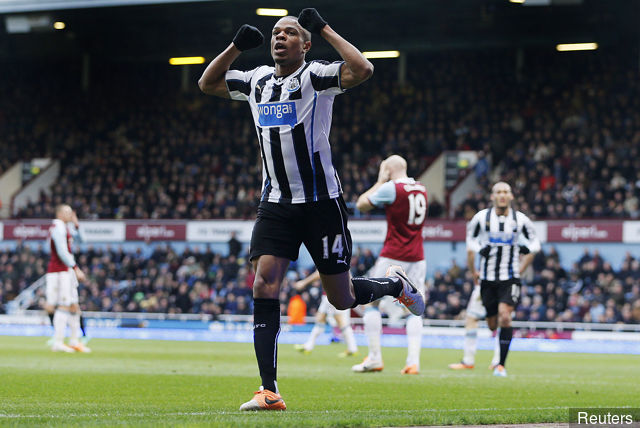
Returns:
<point x="321" y="226"/>
<point x="494" y="292"/>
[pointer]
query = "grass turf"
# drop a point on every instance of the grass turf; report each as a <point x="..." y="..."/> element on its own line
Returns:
<point x="162" y="383"/>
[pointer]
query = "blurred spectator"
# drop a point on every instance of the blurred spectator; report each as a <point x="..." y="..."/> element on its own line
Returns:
<point x="235" y="246"/>
<point x="296" y="310"/>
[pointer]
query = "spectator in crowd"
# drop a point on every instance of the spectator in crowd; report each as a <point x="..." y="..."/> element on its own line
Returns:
<point x="235" y="246"/>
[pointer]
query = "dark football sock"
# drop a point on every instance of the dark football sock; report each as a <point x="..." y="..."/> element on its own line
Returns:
<point x="51" y="317"/>
<point x="266" y="327"/>
<point x="506" y="333"/>
<point x="84" y="333"/>
<point x="368" y="290"/>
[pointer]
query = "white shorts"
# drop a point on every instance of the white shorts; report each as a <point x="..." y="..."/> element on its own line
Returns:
<point x="62" y="288"/>
<point x="330" y="310"/>
<point x="417" y="273"/>
<point x="475" y="308"/>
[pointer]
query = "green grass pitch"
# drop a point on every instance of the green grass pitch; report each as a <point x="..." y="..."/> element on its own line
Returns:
<point x="162" y="383"/>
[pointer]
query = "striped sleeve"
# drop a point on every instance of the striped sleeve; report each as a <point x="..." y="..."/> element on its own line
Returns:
<point x="239" y="84"/>
<point x="473" y="233"/>
<point x="325" y="77"/>
<point x="529" y="233"/>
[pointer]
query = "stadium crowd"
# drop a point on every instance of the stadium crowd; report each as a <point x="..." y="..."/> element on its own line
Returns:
<point x="200" y="281"/>
<point x="564" y="130"/>
<point x="573" y="148"/>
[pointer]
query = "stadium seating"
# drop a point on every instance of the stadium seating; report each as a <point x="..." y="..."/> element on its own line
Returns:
<point x="137" y="147"/>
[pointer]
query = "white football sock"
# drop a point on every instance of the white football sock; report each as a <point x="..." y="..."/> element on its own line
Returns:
<point x="74" y="328"/>
<point x="59" y="325"/>
<point x="373" y="329"/>
<point x="414" y="340"/>
<point x="470" y="346"/>
<point x="496" y="349"/>
<point x="349" y="339"/>
<point x="313" y="336"/>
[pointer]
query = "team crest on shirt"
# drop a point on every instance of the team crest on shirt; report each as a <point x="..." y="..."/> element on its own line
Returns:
<point x="293" y="84"/>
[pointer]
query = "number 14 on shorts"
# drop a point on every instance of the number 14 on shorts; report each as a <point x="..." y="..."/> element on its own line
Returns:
<point x="336" y="248"/>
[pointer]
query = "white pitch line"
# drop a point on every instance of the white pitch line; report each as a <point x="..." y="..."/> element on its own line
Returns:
<point x="94" y="415"/>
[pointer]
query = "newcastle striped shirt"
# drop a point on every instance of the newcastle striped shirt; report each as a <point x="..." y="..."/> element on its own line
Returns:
<point x="292" y="116"/>
<point x="503" y="234"/>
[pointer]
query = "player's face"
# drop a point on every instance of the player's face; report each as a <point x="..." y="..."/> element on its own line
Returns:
<point x="287" y="42"/>
<point x="501" y="195"/>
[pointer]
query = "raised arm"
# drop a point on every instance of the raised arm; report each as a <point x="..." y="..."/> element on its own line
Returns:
<point x="74" y="228"/>
<point x="213" y="81"/>
<point x="356" y="67"/>
<point x="364" y="204"/>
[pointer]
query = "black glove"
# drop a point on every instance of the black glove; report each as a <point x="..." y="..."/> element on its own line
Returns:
<point x="311" y="20"/>
<point x="248" y="37"/>
<point x="485" y="251"/>
<point x="524" y="249"/>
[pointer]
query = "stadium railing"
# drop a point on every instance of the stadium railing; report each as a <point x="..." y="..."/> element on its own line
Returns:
<point x="39" y="317"/>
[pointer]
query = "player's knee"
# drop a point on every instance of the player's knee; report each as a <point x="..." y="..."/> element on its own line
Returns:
<point x="264" y="288"/>
<point x="505" y="319"/>
<point x="341" y="302"/>
<point x="471" y="322"/>
<point x="492" y="323"/>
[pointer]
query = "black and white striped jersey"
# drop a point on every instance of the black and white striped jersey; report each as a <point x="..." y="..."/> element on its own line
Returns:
<point x="292" y="115"/>
<point x="504" y="234"/>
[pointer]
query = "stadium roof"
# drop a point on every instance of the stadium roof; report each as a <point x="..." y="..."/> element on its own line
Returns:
<point x="157" y="29"/>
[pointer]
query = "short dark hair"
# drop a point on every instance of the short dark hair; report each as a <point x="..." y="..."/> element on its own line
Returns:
<point x="306" y="34"/>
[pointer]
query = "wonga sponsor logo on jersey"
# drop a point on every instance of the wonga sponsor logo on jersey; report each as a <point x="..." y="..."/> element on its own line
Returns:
<point x="277" y="114"/>
<point x="502" y="238"/>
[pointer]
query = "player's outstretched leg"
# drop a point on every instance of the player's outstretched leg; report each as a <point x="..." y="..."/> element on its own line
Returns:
<point x="410" y="295"/>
